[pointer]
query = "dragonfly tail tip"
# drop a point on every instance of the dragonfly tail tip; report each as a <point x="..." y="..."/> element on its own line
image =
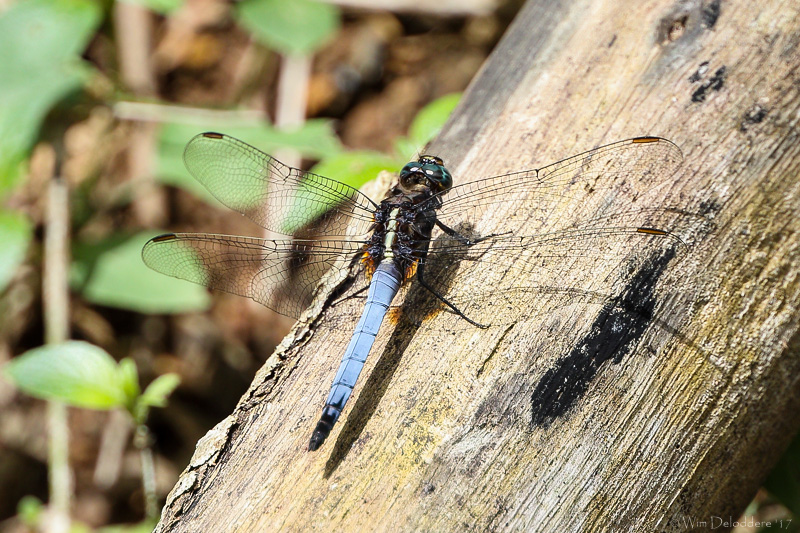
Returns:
<point x="316" y="440"/>
<point x="324" y="427"/>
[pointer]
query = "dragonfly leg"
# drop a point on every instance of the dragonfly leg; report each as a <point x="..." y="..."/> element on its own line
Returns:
<point x="421" y="280"/>
<point x="349" y="296"/>
<point x="465" y="240"/>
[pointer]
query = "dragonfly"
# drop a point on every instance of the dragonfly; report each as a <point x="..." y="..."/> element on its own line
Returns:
<point x="506" y="227"/>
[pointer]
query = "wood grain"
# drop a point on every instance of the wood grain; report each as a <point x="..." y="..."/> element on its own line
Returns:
<point x="561" y="422"/>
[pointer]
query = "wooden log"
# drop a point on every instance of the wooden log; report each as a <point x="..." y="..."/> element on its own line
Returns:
<point x="571" y="419"/>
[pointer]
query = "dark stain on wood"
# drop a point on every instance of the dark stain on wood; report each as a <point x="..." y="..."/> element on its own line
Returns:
<point x="710" y="13"/>
<point x="715" y="83"/>
<point x="613" y="335"/>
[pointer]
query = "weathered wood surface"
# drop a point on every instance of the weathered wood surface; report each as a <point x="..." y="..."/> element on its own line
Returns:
<point x="452" y="428"/>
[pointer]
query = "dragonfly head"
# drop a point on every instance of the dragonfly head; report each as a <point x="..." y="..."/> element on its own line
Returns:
<point x="426" y="172"/>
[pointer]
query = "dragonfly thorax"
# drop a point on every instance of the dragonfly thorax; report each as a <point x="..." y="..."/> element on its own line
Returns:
<point x="400" y="234"/>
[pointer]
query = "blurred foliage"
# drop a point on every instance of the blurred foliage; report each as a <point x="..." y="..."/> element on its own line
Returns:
<point x="76" y="373"/>
<point x="83" y="375"/>
<point x="110" y="272"/>
<point x="357" y="168"/>
<point x="30" y="512"/>
<point x="15" y="234"/>
<point x="296" y="27"/>
<point x="162" y="7"/>
<point x="42" y="44"/>
<point x="784" y="480"/>
<point x="427" y="124"/>
<point x="39" y="73"/>
<point x="314" y="139"/>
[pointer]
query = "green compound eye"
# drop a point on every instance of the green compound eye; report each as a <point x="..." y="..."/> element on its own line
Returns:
<point x="433" y="169"/>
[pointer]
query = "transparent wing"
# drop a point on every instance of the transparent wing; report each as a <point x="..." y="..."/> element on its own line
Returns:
<point x="613" y="174"/>
<point x="538" y="225"/>
<point x="280" y="274"/>
<point x="593" y="256"/>
<point x="275" y="196"/>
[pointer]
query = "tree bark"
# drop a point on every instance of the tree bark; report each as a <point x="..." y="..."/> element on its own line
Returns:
<point x="513" y="428"/>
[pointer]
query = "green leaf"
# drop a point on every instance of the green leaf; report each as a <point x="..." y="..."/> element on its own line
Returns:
<point x="111" y="273"/>
<point x="314" y="139"/>
<point x="129" y="380"/>
<point x="431" y="118"/>
<point x="290" y="27"/>
<point x="76" y="373"/>
<point x="41" y="42"/>
<point x="15" y="234"/>
<point x="156" y="394"/>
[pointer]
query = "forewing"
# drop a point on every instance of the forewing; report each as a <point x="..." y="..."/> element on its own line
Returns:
<point x="522" y="249"/>
<point x="275" y="196"/>
<point x="280" y="274"/>
<point x="610" y="175"/>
